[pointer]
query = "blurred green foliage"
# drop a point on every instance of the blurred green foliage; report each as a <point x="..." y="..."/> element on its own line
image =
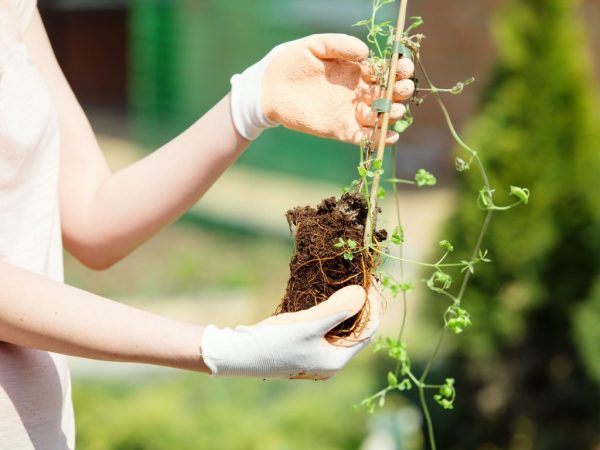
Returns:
<point x="186" y="259"/>
<point x="525" y="370"/>
<point x="190" y="411"/>
<point x="183" y="53"/>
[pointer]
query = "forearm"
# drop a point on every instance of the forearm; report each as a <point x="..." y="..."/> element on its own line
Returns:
<point x="40" y="313"/>
<point x="131" y="205"/>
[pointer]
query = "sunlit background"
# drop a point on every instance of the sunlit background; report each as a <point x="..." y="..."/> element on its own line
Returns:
<point x="528" y="370"/>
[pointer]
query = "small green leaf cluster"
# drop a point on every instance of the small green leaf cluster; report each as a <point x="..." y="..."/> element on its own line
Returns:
<point x="461" y="165"/>
<point x="397" y="236"/>
<point x="446" y="394"/>
<point x="396" y="350"/>
<point x="369" y="168"/>
<point x="401" y="125"/>
<point x="445" y="244"/>
<point x="349" y="246"/>
<point x="395" y="287"/>
<point x="460" y="86"/>
<point x="485" y="200"/>
<point x="457" y="319"/>
<point x="425" y="178"/>
<point x="379" y="34"/>
<point x="439" y="280"/>
<point x="521" y="193"/>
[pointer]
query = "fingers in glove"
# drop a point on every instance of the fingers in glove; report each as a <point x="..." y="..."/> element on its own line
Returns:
<point x="370" y="328"/>
<point x="350" y="299"/>
<point x="367" y="117"/>
<point x="367" y="133"/>
<point x="403" y="90"/>
<point x="397" y="112"/>
<point x="368" y="93"/>
<point x="404" y="70"/>
<point x="337" y="46"/>
<point x="341" y="305"/>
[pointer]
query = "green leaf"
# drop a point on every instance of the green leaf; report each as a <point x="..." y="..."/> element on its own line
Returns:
<point x="439" y="280"/>
<point x="397" y="235"/>
<point x="483" y="256"/>
<point x="350" y="187"/>
<point x="424" y="178"/>
<point x="485" y="198"/>
<point x="380" y="192"/>
<point x="461" y="165"/>
<point x="362" y="172"/>
<point x="394" y="289"/>
<point x="392" y="380"/>
<point x="361" y="23"/>
<point x="446" y="395"/>
<point x="406" y="286"/>
<point x="468" y="265"/>
<point x="377" y="164"/>
<point x="378" y="345"/>
<point x="521" y="193"/>
<point x="351" y="243"/>
<point x="340" y="243"/>
<point x="445" y="391"/>
<point x="417" y="21"/>
<point x="447" y="245"/>
<point x="457" y="319"/>
<point x="348" y="256"/>
<point x="405" y="385"/>
<point x="406" y="121"/>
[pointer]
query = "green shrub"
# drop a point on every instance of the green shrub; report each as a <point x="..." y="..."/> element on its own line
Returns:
<point x="522" y="375"/>
<point x="178" y="411"/>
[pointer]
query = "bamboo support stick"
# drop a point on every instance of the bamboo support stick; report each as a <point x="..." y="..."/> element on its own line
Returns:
<point x="385" y="119"/>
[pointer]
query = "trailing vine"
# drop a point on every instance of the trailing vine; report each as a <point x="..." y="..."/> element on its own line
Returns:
<point x="383" y="37"/>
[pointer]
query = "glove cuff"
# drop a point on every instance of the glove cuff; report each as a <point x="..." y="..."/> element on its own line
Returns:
<point x="246" y="101"/>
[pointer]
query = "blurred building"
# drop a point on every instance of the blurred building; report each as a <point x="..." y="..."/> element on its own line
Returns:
<point x="165" y="62"/>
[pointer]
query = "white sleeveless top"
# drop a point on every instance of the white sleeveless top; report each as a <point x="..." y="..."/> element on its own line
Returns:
<point x="35" y="392"/>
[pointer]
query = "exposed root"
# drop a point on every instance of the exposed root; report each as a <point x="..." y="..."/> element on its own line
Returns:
<point x="318" y="268"/>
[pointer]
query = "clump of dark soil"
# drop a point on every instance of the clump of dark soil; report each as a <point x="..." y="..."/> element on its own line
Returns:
<point x="318" y="268"/>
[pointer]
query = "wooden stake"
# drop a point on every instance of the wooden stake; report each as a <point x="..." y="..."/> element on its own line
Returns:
<point x="385" y="120"/>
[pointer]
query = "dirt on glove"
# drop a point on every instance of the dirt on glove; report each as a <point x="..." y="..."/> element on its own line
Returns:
<point x="318" y="268"/>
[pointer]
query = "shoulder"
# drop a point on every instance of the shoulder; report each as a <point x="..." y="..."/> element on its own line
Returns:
<point x="25" y="10"/>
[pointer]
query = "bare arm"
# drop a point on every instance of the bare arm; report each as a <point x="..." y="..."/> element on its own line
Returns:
<point x="40" y="313"/>
<point x="104" y="215"/>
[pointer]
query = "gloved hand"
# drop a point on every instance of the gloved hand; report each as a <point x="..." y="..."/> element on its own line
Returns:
<point x="292" y="345"/>
<point x="319" y="85"/>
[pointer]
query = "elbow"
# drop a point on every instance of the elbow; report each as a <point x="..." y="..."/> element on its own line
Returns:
<point x="96" y="262"/>
<point x="95" y="258"/>
<point x="93" y="254"/>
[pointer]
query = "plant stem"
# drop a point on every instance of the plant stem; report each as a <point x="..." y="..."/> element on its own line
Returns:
<point x="482" y="233"/>
<point x="486" y="182"/>
<point x="433" y="356"/>
<point x="451" y="126"/>
<point x="370" y="223"/>
<point x="425" y="409"/>
<point x="400" y="253"/>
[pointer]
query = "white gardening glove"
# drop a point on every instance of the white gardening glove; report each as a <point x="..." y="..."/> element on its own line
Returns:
<point x="246" y="103"/>
<point x="317" y="85"/>
<point x="292" y="345"/>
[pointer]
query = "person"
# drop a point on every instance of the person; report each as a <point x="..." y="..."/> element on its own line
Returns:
<point x="56" y="189"/>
